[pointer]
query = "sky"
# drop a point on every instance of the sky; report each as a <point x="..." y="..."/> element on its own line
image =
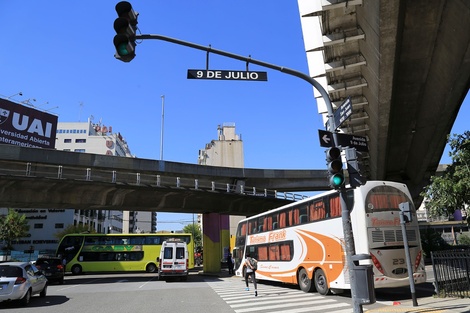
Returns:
<point x="60" y="56"/>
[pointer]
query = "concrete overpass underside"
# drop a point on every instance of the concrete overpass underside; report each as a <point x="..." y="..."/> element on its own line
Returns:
<point x="85" y="195"/>
<point x="406" y="67"/>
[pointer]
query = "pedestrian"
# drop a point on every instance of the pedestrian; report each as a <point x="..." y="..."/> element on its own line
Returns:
<point x="250" y="270"/>
<point x="230" y="263"/>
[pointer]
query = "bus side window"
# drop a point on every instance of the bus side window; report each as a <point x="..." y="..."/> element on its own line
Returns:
<point x="261" y="224"/>
<point x="262" y="253"/>
<point x="317" y="211"/>
<point x="274" y="254"/>
<point x="296" y="215"/>
<point x="335" y="206"/>
<point x="243" y="230"/>
<point x="252" y="227"/>
<point x="282" y="220"/>
<point x="286" y="252"/>
<point x="268" y="223"/>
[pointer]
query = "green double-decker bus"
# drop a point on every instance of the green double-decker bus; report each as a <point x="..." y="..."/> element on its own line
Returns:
<point x="84" y="253"/>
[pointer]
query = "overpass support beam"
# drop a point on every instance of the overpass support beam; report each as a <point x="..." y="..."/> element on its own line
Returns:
<point x="216" y="240"/>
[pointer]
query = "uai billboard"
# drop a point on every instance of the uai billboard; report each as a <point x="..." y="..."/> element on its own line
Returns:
<point x="26" y="127"/>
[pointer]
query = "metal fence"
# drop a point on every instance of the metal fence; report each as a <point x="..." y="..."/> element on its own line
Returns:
<point x="451" y="273"/>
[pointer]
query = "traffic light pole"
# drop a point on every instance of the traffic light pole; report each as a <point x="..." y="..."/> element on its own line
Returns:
<point x="346" y="219"/>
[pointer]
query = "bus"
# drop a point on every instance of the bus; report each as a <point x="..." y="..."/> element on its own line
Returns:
<point x="84" y="253"/>
<point x="302" y="243"/>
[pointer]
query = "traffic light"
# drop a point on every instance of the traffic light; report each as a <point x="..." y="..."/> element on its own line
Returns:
<point x="125" y="26"/>
<point x="335" y="167"/>
<point x="355" y="177"/>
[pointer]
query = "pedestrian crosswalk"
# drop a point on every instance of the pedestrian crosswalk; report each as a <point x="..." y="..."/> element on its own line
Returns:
<point x="274" y="298"/>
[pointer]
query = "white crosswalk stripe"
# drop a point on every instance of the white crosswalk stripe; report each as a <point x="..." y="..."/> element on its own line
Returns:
<point x="274" y="298"/>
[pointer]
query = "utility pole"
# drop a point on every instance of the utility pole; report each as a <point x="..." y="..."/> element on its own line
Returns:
<point x="161" y="131"/>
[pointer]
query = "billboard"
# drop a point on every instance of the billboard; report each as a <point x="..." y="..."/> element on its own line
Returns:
<point x="26" y="127"/>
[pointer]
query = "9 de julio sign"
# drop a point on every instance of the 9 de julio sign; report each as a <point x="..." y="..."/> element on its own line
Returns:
<point x="26" y="127"/>
<point x="228" y="75"/>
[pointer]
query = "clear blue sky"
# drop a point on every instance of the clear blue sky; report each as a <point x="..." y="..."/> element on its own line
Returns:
<point x="61" y="54"/>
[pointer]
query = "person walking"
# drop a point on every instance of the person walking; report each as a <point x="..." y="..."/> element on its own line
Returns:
<point x="250" y="271"/>
<point x="230" y="263"/>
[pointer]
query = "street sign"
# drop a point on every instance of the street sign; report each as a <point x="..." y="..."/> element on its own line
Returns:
<point x="344" y="140"/>
<point x="228" y="75"/>
<point x="341" y="114"/>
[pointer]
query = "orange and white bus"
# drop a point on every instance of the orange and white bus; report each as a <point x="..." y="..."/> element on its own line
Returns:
<point x="303" y="243"/>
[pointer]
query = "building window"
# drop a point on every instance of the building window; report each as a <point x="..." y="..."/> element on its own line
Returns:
<point x="80" y="140"/>
<point x="66" y="150"/>
<point x="67" y="140"/>
<point x="59" y="225"/>
<point x="79" y="150"/>
<point x="38" y="226"/>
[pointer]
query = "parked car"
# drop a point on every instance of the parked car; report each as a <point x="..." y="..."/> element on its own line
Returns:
<point x="21" y="280"/>
<point x="53" y="269"/>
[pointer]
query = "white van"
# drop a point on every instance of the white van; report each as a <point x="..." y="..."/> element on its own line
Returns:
<point x="173" y="260"/>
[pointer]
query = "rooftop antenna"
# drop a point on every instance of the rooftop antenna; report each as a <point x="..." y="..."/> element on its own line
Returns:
<point x="28" y="102"/>
<point x="80" y="111"/>
<point x="51" y="109"/>
<point x="16" y="94"/>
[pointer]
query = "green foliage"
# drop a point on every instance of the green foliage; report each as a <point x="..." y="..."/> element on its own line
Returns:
<point x="194" y="229"/>
<point x="451" y="191"/>
<point x="74" y="229"/>
<point x="431" y="240"/>
<point x="464" y="240"/>
<point x="12" y="227"/>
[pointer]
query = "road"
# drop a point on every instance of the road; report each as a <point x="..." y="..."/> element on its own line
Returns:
<point x="142" y="292"/>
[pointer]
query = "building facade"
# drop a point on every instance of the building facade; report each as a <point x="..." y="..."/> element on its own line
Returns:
<point x="226" y="151"/>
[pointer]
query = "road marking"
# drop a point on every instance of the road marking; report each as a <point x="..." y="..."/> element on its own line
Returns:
<point x="272" y="299"/>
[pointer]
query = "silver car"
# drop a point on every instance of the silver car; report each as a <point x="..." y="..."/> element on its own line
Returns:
<point x="20" y="280"/>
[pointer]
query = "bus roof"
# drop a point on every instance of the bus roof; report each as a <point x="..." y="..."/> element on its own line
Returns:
<point x="120" y="235"/>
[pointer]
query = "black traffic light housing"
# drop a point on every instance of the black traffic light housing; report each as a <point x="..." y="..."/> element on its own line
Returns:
<point x="355" y="177"/>
<point x="406" y="209"/>
<point x="335" y="167"/>
<point x="125" y="26"/>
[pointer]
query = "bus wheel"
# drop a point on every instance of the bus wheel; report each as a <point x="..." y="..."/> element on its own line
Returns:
<point x="305" y="283"/>
<point x="321" y="284"/>
<point x="76" y="270"/>
<point x="151" y="268"/>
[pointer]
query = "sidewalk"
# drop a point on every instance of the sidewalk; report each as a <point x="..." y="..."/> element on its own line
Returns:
<point x="425" y="305"/>
<point x="425" y="299"/>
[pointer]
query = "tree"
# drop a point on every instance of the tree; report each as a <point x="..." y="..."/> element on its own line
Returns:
<point x="194" y="229"/>
<point x="451" y="191"/>
<point x="74" y="229"/>
<point x="464" y="240"/>
<point x="12" y="227"/>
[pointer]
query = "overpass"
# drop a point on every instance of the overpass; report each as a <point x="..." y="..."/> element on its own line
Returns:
<point x="43" y="178"/>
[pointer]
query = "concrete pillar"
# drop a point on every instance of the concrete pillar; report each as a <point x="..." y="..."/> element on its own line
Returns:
<point x="216" y="239"/>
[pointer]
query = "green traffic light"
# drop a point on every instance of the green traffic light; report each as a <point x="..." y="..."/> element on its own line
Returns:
<point x="337" y="180"/>
<point x="122" y="49"/>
